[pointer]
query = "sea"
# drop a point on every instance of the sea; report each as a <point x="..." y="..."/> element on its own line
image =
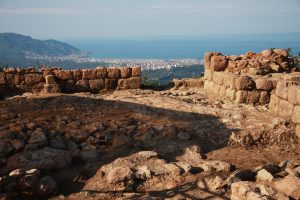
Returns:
<point x="182" y="47"/>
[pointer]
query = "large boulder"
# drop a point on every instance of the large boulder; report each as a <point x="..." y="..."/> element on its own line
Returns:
<point x="282" y="52"/>
<point x="218" y="63"/>
<point x="245" y="190"/>
<point x="63" y="74"/>
<point x="266" y="53"/>
<point x="113" y="73"/>
<point x="244" y="83"/>
<point x="290" y="185"/>
<point x="96" y="85"/>
<point x="45" y="159"/>
<point x="129" y="83"/>
<point x="33" y="79"/>
<point x="13" y="79"/>
<point x="136" y="71"/>
<point x="125" y="72"/>
<point x="264" y="84"/>
<point x="207" y="57"/>
<point x="82" y="86"/>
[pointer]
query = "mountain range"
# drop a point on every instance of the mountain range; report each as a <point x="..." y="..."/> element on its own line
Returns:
<point x="16" y="46"/>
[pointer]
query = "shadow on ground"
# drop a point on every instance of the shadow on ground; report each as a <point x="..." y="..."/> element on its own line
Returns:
<point x="205" y="131"/>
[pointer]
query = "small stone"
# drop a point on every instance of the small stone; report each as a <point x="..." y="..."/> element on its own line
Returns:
<point x="264" y="175"/>
<point x="46" y="186"/>
<point x="38" y="138"/>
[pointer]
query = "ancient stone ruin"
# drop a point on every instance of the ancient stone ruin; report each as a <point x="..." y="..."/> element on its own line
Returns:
<point x="248" y="78"/>
<point x="268" y="77"/>
<point x="52" y="80"/>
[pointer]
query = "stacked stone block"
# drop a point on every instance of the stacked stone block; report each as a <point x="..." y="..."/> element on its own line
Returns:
<point x="285" y="101"/>
<point x="52" y="80"/>
<point x="248" y="78"/>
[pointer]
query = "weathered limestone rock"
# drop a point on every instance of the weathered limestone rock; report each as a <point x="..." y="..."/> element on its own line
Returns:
<point x="14" y="79"/>
<point x="119" y="174"/>
<point x="89" y="74"/>
<point x="266" y="53"/>
<point x="2" y="78"/>
<point x="130" y="83"/>
<point x="52" y="88"/>
<point x="208" y="74"/>
<point x="136" y="71"/>
<point x="264" y="98"/>
<point x="33" y="79"/>
<point x="45" y="159"/>
<point x="274" y="103"/>
<point x="285" y="109"/>
<point x="253" y="96"/>
<point x="276" y="67"/>
<point x="77" y="75"/>
<point x="50" y="79"/>
<point x="264" y="84"/>
<point x="290" y="186"/>
<point x="218" y="63"/>
<point x="110" y="84"/>
<point x="244" y="83"/>
<point x="264" y="175"/>
<point x="282" y="89"/>
<point x="82" y="85"/>
<point x="64" y="74"/>
<point x="294" y="94"/>
<point x="96" y="85"/>
<point x="207" y="57"/>
<point x="113" y="73"/>
<point x="241" y="96"/>
<point x="208" y="85"/>
<point x="101" y="73"/>
<point x="125" y="72"/>
<point x="296" y="115"/>
<point x="230" y="94"/>
<point x="245" y="190"/>
<point x="218" y="77"/>
<point x="282" y="52"/>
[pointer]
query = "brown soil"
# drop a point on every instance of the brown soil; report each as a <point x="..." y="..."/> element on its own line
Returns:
<point x="132" y="119"/>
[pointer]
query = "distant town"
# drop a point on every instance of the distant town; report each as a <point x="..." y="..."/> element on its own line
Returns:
<point x="146" y="64"/>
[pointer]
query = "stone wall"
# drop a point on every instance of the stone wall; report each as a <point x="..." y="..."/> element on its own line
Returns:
<point x="248" y="78"/>
<point x="285" y="101"/>
<point x="19" y="80"/>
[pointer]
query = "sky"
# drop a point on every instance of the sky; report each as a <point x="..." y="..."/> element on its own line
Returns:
<point x="71" y="19"/>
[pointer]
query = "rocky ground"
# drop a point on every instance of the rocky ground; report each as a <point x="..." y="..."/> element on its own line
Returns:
<point x="144" y="144"/>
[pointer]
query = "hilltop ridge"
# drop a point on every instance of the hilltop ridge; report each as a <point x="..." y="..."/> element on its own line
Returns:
<point x="13" y="45"/>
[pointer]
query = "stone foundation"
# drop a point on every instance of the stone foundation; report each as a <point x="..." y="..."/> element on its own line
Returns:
<point x="285" y="101"/>
<point x="52" y="80"/>
<point x="248" y="78"/>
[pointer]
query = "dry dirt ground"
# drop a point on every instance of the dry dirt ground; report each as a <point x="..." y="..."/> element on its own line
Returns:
<point x="144" y="144"/>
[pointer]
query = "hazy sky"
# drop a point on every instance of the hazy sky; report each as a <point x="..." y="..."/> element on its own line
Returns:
<point x="121" y="18"/>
